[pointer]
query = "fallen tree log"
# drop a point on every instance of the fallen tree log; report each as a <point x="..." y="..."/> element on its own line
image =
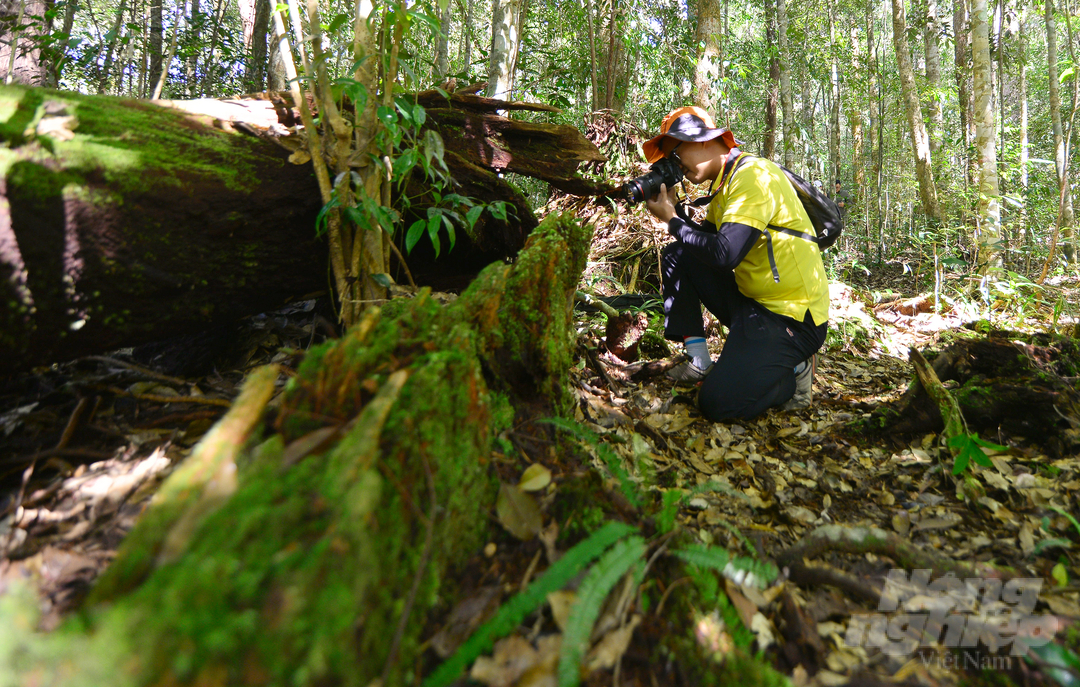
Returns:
<point x="127" y="222"/>
<point x="312" y="557"/>
<point x="123" y="222"/>
<point x="1004" y="386"/>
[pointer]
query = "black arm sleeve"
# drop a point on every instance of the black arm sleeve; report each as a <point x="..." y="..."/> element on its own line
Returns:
<point x="723" y="248"/>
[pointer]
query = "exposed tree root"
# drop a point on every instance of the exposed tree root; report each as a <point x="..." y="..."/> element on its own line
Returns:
<point x="863" y="540"/>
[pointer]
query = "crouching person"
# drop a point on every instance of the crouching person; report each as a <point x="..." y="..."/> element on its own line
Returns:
<point x="752" y="262"/>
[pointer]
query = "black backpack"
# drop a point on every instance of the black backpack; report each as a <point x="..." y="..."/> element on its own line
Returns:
<point x="824" y="213"/>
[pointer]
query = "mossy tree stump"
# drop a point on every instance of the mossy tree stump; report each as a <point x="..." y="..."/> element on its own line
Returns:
<point x="323" y="561"/>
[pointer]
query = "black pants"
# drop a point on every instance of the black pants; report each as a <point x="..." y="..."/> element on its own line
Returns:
<point x="756" y="367"/>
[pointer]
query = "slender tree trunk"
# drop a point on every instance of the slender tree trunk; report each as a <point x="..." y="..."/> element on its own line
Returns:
<point x="590" y="12"/>
<point x="614" y="56"/>
<point x="920" y="143"/>
<point x="999" y="74"/>
<point x="257" y="59"/>
<point x="442" y="49"/>
<point x="961" y="29"/>
<point x="177" y="21"/>
<point x="985" y="141"/>
<point x="1066" y="209"/>
<point x="466" y="39"/>
<point x="931" y="34"/>
<point x="806" y="135"/>
<point x="192" y="66"/>
<point x="504" y="47"/>
<point x="110" y="50"/>
<point x="872" y="107"/>
<point x="834" y="96"/>
<point x="157" y="35"/>
<point x="935" y="118"/>
<point x="785" y="83"/>
<point x="707" y="68"/>
<point x="769" y="146"/>
<point x="1024" y="229"/>
<point x="855" y="121"/>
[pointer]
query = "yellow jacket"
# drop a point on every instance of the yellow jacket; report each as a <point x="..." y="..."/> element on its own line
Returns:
<point x="782" y="271"/>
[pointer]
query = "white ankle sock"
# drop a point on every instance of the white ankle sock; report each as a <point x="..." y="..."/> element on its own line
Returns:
<point x="698" y="350"/>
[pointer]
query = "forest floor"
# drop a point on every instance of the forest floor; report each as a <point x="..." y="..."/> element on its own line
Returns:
<point x="85" y="444"/>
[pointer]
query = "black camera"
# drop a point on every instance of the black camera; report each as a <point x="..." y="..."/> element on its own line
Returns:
<point x="664" y="171"/>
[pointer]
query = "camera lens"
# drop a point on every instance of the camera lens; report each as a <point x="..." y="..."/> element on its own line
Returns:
<point x="664" y="171"/>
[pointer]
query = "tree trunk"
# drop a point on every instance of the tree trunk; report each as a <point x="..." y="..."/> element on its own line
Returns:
<point x="834" y="103"/>
<point x="504" y="47"/>
<point x="1024" y="228"/>
<point x="806" y="133"/>
<point x="176" y="225"/>
<point x="466" y="40"/>
<point x="785" y="83"/>
<point x="256" y="67"/>
<point x="855" y="119"/>
<point x="936" y="126"/>
<point x="920" y="143"/>
<point x="156" y="42"/>
<point x="768" y="148"/>
<point x="989" y="257"/>
<point x="962" y="70"/>
<point x="442" y="48"/>
<point x="595" y="95"/>
<point x="191" y="66"/>
<point x="707" y="67"/>
<point x="935" y="117"/>
<point x="1066" y="207"/>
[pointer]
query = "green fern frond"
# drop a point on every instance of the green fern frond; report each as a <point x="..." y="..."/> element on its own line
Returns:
<point x="742" y="570"/>
<point x="510" y="614"/>
<point x="607" y="455"/>
<point x="594" y="589"/>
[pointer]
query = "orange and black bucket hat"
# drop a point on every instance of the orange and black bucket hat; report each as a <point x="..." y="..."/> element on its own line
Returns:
<point x="687" y="124"/>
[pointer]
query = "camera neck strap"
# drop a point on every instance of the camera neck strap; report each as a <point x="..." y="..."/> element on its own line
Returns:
<point x="734" y="157"/>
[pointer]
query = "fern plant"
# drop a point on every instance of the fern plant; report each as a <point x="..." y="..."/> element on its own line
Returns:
<point x="611" y="459"/>
<point x="510" y="614"/>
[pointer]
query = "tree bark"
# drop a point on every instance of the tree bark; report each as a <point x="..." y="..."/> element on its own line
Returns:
<point x="257" y="62"/>
<point x="768" y="149"/>
<point x="504" y="47"/>
<point x="834" y="102"/>
<point x="920" y="143"/>
<point x="442" y="47"/>
<point x="466" y="40"/>
<point x="989" y="256"/>
<point x="707" y="67"/>
<point x="1060" y="163"/>
<point x="785" y="83"/>
<point x="855" y="119"/>
<point x="962" y="70"/>
<point x="156" y="44"/>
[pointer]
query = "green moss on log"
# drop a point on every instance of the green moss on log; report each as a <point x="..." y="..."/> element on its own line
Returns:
<point x="116" y="140"/>
<point x="302" y="577"/>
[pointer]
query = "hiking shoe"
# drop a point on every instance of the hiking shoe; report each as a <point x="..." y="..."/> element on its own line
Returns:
<point x="804" y="386"/>
<point x="688" y="373"/>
